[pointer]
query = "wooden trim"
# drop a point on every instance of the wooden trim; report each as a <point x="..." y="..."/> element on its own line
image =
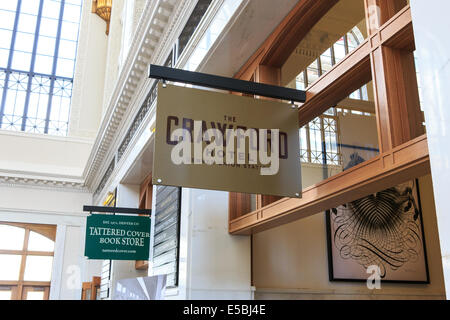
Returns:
<point x="141" y="265"/>
<point x="28" y="253"/>
<point x="46" y="230"/>
<point x="25" y="283"/>
<point x="20" y="285"/>
<point x="279" y="45"/>
<point x="400" y="164"/>
<point x="389" y="45"/>
<point x="345" y="77"/>
<point x="355" y="69"/>
<point x="293" y="29"/>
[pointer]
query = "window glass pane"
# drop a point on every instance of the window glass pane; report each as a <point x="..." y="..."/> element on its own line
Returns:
<point x="65" y="68"/>
<point x="15" y="98"/>
<point x="339" y="50"/>
<point x="67" y="49"/>
<point x="69" y="31"/>
<point x="300" y="82"/>
<point x="71" y="13"/>
<point x="46" y="46"/>
<point x="49" y="27"/>
<point x="7" y="19"/>
<point x="10" y="267"/>
<point x="8" y="5"/>
<point x="352" y="41"/>
<point x="325" y="60"/>
<point x="35" y="295"/>
<point x="5" y="294"/>
<point x="43" y="64"/>
<point x="4" y="55"/>
<point x="38" y="242"/>
<point x="30" y="6"/>
<point x="51" y="9"/>
<point x="11" y="238"/>
<point x="355" y="95"/>
<point x="27" y="23"/>
<point x="313" y="72"/>
<point x="38" y="268"/>
<point x="5" y="35"/>
<point x="364" y="93"/>
<point x="48" y="69"/>
<point x="24" y="42"/>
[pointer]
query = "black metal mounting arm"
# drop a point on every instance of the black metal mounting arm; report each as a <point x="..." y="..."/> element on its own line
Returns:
<point x="147" y="212"/>
<point x="224" y="83"/>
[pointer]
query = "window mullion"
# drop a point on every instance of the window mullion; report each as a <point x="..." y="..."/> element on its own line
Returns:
<point x="8" y="68"/>
<point x="55" y="63"/>
<point x="333" y="57"/>
<point x="33" y="60"/>
<point x="346" y="50"/>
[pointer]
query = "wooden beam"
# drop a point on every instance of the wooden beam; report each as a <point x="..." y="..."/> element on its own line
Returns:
<point x="399" y="165"/>
<point x="345" y="77"/>
<point x="293" y="29"/>
<point x="397" y="105"/>
<point x="286" y="36"/>
<point x="355" y="69"/>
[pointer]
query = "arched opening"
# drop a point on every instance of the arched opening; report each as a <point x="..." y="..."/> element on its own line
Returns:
<point x="26" y="260"/>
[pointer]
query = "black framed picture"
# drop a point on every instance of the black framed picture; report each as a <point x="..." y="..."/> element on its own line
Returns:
<point x="383" y="230"/>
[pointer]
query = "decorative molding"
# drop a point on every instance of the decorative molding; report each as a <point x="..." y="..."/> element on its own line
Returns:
<point x="47" y="212"/>
<point x="149" y="33"/>
<point x="38" y="182"/>
<point x="142" y="93"/>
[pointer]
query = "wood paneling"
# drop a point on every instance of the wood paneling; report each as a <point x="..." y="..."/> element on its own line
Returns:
<point x="388" y="169"/>
<point x="338" y="83"/>
<point x="293" y="29"/>
<point x="385" y="57"/>
<point x="283" y="40"/>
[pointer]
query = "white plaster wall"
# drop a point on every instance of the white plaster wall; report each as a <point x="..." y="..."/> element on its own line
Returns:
<point x="290" y="262"/>
<point x="213" y="264"/>
<point x="433" y="58"/>
<point x="89" y="77"/>
<point x="112" y="56"/>
<point x="43" y="154"/>
<point x="60" y="208"/>
<point x="127" y="196"/>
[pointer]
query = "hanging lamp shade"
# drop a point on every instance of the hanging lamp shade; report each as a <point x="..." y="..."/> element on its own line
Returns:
<point x="103" y="9"/>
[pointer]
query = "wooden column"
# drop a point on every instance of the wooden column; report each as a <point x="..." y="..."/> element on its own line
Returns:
<point x="268" y="75"/>
<point x="399" y="118"/>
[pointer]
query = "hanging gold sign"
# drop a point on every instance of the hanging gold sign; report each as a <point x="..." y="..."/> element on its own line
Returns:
<point x="219" y="141"/>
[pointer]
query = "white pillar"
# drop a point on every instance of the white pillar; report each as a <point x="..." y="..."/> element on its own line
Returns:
<point x="431" y="26"/>
<point x="213" y="263"/>
<point x="127" y="196"/>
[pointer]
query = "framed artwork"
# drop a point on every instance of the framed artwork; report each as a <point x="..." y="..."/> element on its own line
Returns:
<point x="384" y="229"/>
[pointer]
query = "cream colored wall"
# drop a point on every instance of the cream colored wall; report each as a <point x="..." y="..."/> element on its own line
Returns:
<point x="87" y="94"/>
<point x="43" y="155"/>
<point x="290" y="262"/>
<point x="112" y="58"/>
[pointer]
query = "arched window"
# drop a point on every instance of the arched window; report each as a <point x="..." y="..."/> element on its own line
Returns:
<point x="26" y="260"/>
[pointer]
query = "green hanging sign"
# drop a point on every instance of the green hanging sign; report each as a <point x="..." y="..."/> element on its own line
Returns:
<point x="117" y="237"/>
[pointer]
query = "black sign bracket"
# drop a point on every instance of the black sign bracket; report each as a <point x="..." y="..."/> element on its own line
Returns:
<point x="225" y="83"/>
<point x="119" y="210"/>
